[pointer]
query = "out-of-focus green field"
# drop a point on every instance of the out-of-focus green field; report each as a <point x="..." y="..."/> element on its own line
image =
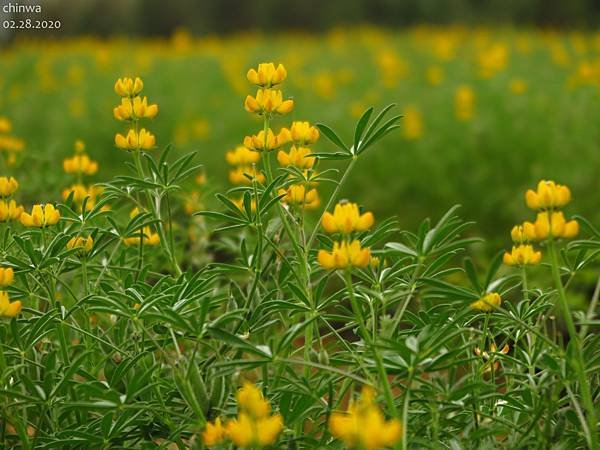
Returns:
<point x="533" y="113"/>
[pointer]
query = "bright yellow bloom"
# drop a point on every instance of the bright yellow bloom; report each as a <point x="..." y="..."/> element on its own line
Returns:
<point x="214" y="433"/>
<point x="135" y="141"/>
<point x="246" y="431"/>
<point x="267" y="75"/>
<point x="522" y="255"/>
<point x="488" y="302"/>
<point x="81" y="192"/>
<point x="492" y="60"/>
<point x="238" y="175"/>
<point x="344" y="255"/>
<point x="125" y="110"/>
<point x="8" y="186"/>
<point x="297" y="194"/>
<point x="126" y="87"/>
<point x="464" y="103"/>
<point x="80" y="163"/>
<point x="7" y="308"/>
<point x="242" y="156"/>
<point x="80" y="242"/>
<point x="251" y="400"/>
<point x="303" y="133"/>
<point x="268" y="101"/>
<point x="10" y="211"/>
<point x="297" y="156"/>
<point x="258" y="143"/>
<point x="523" y="233"/>
<point x="346" y="218"/>
<point x="142" y="109"/>
<point x="41" y="216"/>
<point x="149" y="238"/>
<point x="5" y="125"/>
<point x="7" y="276"/>
<point x="553" y="224"/>
<point x="549" y="195"/>
<point x="363" y="426"/>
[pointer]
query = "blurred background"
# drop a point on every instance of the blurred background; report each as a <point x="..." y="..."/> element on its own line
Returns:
<point x="495" y="95"/>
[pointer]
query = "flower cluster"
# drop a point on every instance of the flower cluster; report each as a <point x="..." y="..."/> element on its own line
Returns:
<point x="363" y="426"/>
<point x="7" y="308"/>
<point x="254" y="426"/>
<point x="10" y="145"/>
<point x="83" y="244"/>
<point x="268" y="101"/>
<point x="244" y="162"/>
<point x="145" y="235"/>
<point x="345" y="220"/>
<point x="9" y="210"/>
<point x="80" y="165"/>
<point x="488" y="302"/>
<point x="41" y="216"/>
<point x="132" y="109"/>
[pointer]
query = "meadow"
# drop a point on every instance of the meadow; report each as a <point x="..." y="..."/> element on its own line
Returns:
<point x="378" y="240"/>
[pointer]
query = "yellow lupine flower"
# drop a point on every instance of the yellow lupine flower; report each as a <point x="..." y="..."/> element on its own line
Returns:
<point x="214" y="433"/>
<point x="522" y="255"/>
<point x="464" y="103"/>
<point x="41" y="216"/>
<point x="125" y="110"/>
<point x="258" y="143"/>
<point x="5" y="125"/>
<point x="268" y="101"/>
<point x="344" y="255"/>
<point x="297" y="194"/>
<point x="127" y="87"/>
<point x="7" y="276"/>
<point x="10" y="211"/>
<point x="523" y="233"/>
<point x="84" y="243"/>
<point x="549" y="195"/>
<point x="8" y="186"/>
<point x="267" y="75"/>
<point x="135" y="141"/>
<point x="553" y="224"/>
<point x="363" y="426"/>
<point x="346" y="218"/>
<point x="142" y="109"/>
<point x="251" y="400"/>
<point x="298" y="156"/>
<point x="7" y="308"/>
<point x="303" y="133"/>
<point x="238" y="175"/>
<point x="488" y="302"/>
<point x="149" y="238"/>
<point x="80" y="192"/>
<point x="245" y="431"/>
<point x="239" y="202"/>
<point x="80" y="163"/>
<point x="242" y="156"/>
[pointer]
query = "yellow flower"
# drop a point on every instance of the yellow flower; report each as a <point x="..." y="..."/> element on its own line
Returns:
<point x="268" y="101"/>
<point x="412" y="124"/>
<point x="303" y="133"/>
<point x="214" y="433"/>
<point x="488" y="302"/>
<point x="346" y="218"/>
<point x="142" y="109"/>
<point x="126" y="87"/>
<point x="344" y="255"/>
<point x="125" y="110"/>
<point x="80" y="242"/>
<point x="149" y="238"/>
<point x="80" y="164"/>
<point x="242" y="156"/>
<point x="81" y="192"/>
<point x="41" y="216"/>
<point x="464" y="103"/>
<point x="553" y="224"/>
<point x="518" y="86"/>
<point x="7" y="276"/>
<point x="10" y="211"/>
<point x="7" y="308"/>
<point x="251" y="400"/>
<point x="246" y="431"/>
<point x="238" y="175"/>
<point x="258" y="143"/>
<point x="522" y="255"/>
<point x="239" y="202"/>
<point x="5" y="125"/>
<point x="267" y="75"/>
<point x="135" y="141"/>
<point x="523" y="233"/>
<point x="8" y="186"/>
<point x="549" y="195"/>
<point x="363" y="426"/>
<point x="296" y="194"/>
<point x="297" y="156"/>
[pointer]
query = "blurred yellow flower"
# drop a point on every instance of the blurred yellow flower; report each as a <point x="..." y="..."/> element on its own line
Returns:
<point x="85" y="244"/>
<point x="147" y="236"/>
<point x="8" y="186"/>
<point x="488" y="302"/>
<point x="464" y="103"/>
<point x="214" y="433"/>
<point x="434" y="75"/>
<point x="7" y="308"/>
<point x="240" y="175"/>
<point x="412" y="124"/>
<point x="80" y="164"/>
<point x="518" y="86"/>
<point x="242" y="156"/>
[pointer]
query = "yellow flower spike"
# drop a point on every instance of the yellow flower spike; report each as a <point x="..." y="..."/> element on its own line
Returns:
<point x="7" y="276"/>
<point x="8" y="186"/>
<point x="553" y="224"/>
<point x="488" y="302"/>
<point x="268" y="101"/>
<point x="242" y="156"/>
<point x="41" y="216"/>
<point x="344" y="255"/>
<point x="240" y="430"/>
<point x="214" y="433"/>
<point x="298" y="156"/>
<point x="549" y="195"/>
<point x="346" y="218"/>
<point x="268" y="428"/>
<point x="363" y="426"/>
<point x="238" y="175"/>
<point x="135" y="141"/>
<point x="7" y="308"/>
<point x="267" y="75"/>
<point x="297" y="194"/>
<point x="125" y="110"/>
<point x="303" y="133"/>
<point x="257" y="142"/>
<point x="10" y="211"/>
<point x="85" y="244"/>
<point x="250" y="399"/>
<point x="80" y="163"/>
<point x="523" y="233"/>
<point x="522" y="255"/>
<point x="142" y="109"/>
<point x="127" y="87"/>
